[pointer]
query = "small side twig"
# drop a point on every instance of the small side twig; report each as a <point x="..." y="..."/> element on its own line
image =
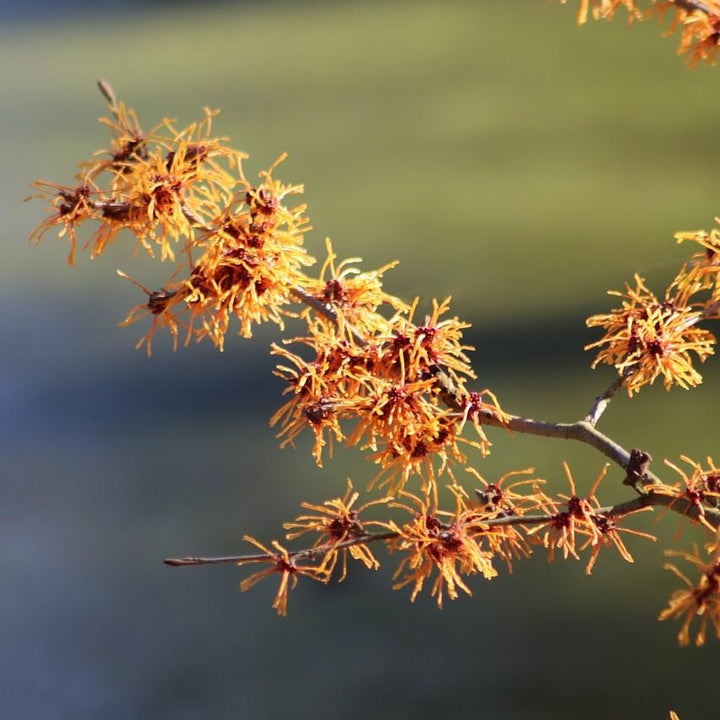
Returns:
<point x="603" y="400"/>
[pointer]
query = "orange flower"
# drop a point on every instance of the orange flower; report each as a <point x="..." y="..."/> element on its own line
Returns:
<point x="646" y="338"/>
<point x="561" y="530"/>
<point x="325" y="390"/>
<point x="609" y="535"/>
<point x="161" y="188"/>
<point x="705" y="267"/>
<point x="701" y="488"/>
<point x="353" y="296"/>
<point x="438" y="541"/>
<point x="128" y="142"/>
<point x="173" y="188"/>
<point x="699" y="22"/>
<point x="407" y="430"/>
<point x="499" y="500"/>
<point x="283" y="564"/>
<point x="605" y="9"/>
<point x="69" y="207"/>
<point x="389" y="384"/>
<point x="582" y="519"/>
<point x="701" y="600"/>
<point x="710" y="241"/>
<point x="337" y="522"/>
<point x="164" y="305"/>
<point x="417" y="351"/>
<point x="699" y="29"/>
<point x="252" y="262"/>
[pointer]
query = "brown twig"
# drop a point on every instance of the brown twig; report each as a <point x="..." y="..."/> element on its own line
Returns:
<point x="603" y="400"/>
<point x="582" y="431"/>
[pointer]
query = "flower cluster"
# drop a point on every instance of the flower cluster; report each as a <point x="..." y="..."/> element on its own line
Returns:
<point x="237" y="247"/>
<point x="384" y="379"/>
<point x="697" y="20"/>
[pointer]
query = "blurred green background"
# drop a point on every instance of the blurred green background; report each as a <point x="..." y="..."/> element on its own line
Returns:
<point x="504" y="156"/>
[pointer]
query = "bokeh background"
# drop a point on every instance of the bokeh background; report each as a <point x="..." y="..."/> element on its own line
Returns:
<point x="504" y="156"/>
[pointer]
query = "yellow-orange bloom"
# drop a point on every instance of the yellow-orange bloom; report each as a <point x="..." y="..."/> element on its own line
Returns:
<point x="561" y="530"/>
<point x="336" y="522"/>
<point x="417" y="351"/>
<point x="699" y="600"/>
<point x="499" y="500"/>
<point x="699" y="23"/>
<point x="581" y="519"/>
<point x="252" y="262"/>
<point x="325" y="390"/>
<point x="281" y="563"/>
<point x="161" y="186"/>
<point x="701" y="488"/>
<point x="352" y="296"/>
<point x="69" y="207"/>
<point x="164" y="305"/>
<point x="605" y="9"/>
<point x="699" y="29"/>
<point x="440" y="542"/>
<point x="407" y="430"/>
<point x="647" y="338"/>
<point x="705" y="267"/>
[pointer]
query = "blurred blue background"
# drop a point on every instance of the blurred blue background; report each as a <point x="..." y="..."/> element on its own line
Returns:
<point x="504" y="156"/>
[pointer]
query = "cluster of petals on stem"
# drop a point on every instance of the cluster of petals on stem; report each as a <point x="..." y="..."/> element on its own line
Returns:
<point x="698" y="600"/>
<point x="704" y="267"/>
<point x="384" y="381"/>
<point x="159" y="186"/>
<point x="647" y="338"/>
<point x="280" y="563"/>
<point x="352" y="296"/>
<point x="699" y="489"/>
<point x="440" y="543"/>
<point x="334" y="523"/>
<point x="698" y="21"/>
<point x="578" y="525"/>
<point x="441" y="548"/>
<point x="237" y="246"/>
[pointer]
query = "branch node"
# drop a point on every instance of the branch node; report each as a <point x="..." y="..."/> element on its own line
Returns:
<point x="637" y="469"/>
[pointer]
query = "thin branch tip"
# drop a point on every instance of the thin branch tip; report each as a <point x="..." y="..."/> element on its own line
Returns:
<point x="180" y="562"/>
<point x="107" y="92"/>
